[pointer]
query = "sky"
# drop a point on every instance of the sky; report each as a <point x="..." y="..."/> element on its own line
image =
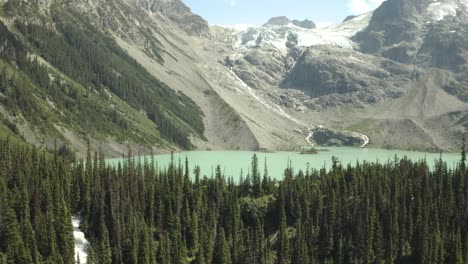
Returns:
<point x="257" y="12"/>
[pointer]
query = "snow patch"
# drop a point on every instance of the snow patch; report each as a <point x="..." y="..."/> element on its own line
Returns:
<point x="277" y="37"/>
<point x="439" y="10"/>
<point x="81" y="244"/>
<point x="324" y="37"/>
<point x="237" y="27"/>
<point x="351" y="27"/>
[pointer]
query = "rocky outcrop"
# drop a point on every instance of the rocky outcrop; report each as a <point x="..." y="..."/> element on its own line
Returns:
<point x="115" y="14"/>
<point x="395" y="22"/>
<point x="322" y="71"/>
<point x="329" y="137"/>
<point x="304" y="24"/>
<point x="179" y="13"/>
<point x="284" y="21"/>
<point x="445" y="47"/>
<point x="428" y="33"/>
<point x="278" y="21"/>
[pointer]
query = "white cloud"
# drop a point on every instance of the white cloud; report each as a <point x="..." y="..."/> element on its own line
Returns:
<point x="358" y="7"/>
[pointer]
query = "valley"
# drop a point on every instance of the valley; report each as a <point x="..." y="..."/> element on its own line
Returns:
<point x="134" y="131"/>
<point x="354" y="84"/>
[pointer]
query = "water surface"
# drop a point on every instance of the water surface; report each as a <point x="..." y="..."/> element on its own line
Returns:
<point x="233" y="162"/>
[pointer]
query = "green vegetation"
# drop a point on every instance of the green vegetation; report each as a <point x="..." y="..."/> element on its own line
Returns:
<point x="95" y="61"/>
<point x="309" y="150"/>
<point x="35" y="224"/>
<point x="63" y="71"/>
<point x="398" y="212"/>
<point x="8" y="130"/>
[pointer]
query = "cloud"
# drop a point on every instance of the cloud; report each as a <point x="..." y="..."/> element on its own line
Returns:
<point x="358" y="7"/>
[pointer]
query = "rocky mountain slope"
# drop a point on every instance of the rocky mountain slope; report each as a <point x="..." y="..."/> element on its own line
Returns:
<point x="388" y="74"/>
<point x="395" y="77"/>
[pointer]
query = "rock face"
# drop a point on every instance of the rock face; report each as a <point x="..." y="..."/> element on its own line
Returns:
<point x="401" y="29"/>
<point x="395" y="22"/>
<point x="284" y="21"/>
<point x="328" y="137"/>
<point x="112" y="13"/>
<point x="324" y="71"/>
<point x="304" y="24"/>
<point x="445" y="47"/>
<point x="393" y="56"/>
<point x="278" y="21"/>
<point x="179" y="13"/>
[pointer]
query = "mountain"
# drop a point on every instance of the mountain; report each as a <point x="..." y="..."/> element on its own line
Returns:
<point x="179" y="13"/>
<point x="153" y="74"/>
<point x="65" y="79"/>
<point x="393" y="74"/>
<point x="304" y="24"/>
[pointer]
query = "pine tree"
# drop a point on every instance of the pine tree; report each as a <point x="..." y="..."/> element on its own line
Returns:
<point x="463" y="150"/>
<point x="256" y="180"/>
<point x="284" y="256"/>
<point x="91" y="258"/>
<point x="194" y="232"/>
<point x="105" y="253"/>
<point x="458" y="248"/>
<point x="221" y="253"/>
<point x="16" y="250"/>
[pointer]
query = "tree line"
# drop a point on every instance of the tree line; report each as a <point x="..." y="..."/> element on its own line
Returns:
<point x="134" y="212"/>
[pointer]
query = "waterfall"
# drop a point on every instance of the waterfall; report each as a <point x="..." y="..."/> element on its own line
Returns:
<point x="81" y="244"/>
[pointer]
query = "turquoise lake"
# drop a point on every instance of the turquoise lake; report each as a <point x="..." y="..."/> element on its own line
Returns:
<point x="232" y="162"/>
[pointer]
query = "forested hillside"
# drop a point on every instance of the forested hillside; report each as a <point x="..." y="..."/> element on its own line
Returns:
<point x="397" y="212"/>
<point x="60" y="72"/>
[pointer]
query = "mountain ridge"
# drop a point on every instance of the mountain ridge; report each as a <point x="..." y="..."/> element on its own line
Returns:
<point x="268" y="87"/>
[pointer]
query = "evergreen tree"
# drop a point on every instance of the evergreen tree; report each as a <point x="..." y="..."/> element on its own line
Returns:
<point x="256" y="179"/>
<point x="400" y="211"/>
<point x="221" y="253"/>
<point x="284" y="251"/>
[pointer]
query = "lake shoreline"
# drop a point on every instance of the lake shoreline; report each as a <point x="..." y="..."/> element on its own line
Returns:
<point x="233" y="163"/>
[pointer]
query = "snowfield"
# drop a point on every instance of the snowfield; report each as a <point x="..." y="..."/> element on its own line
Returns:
<point x="280" y="36"/>
<point x="439" y="10"/>
<point x="81" y="244"/>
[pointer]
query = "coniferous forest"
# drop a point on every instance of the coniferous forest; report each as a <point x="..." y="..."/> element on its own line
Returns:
<point x="86" y="75"/>
<point x="397" y="212"/>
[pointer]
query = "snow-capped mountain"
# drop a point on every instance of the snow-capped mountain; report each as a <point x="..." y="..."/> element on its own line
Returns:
<point x="410" y="52"/>
<point x="280" y="33"/>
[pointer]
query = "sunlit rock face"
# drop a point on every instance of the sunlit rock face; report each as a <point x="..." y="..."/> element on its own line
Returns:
<point x="179" y="13"/>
